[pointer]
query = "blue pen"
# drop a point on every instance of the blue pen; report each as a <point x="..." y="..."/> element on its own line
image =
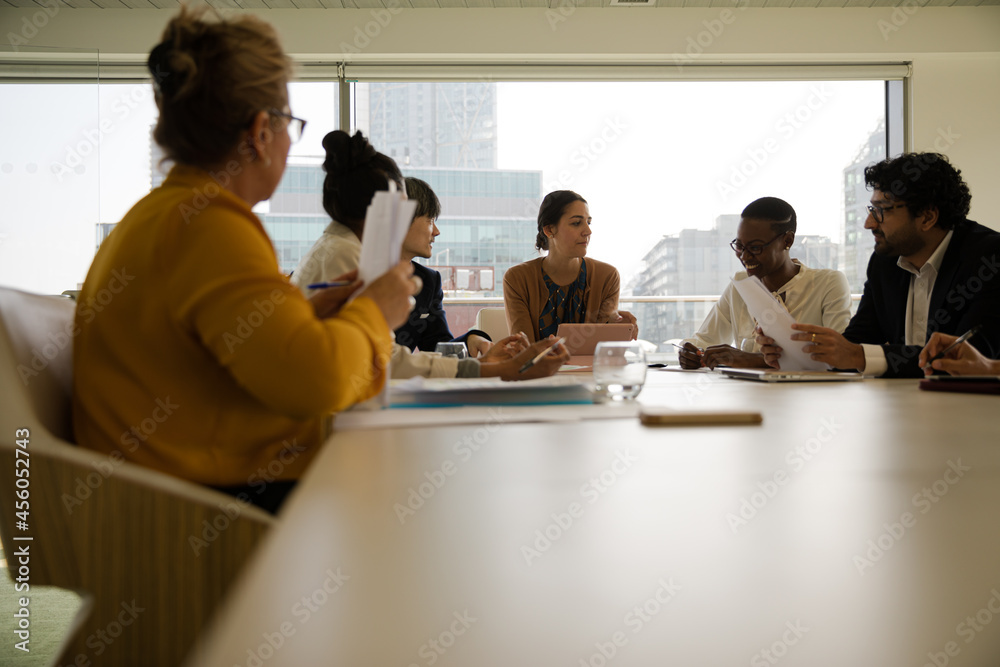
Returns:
<point x="335" y="283"/>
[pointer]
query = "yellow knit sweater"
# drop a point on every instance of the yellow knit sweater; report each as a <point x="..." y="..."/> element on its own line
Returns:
<point x="195" y="356"/>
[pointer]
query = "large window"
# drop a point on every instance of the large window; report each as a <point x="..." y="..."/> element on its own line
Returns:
<point x="665" y="166"/>
<point x="77" y="156"/>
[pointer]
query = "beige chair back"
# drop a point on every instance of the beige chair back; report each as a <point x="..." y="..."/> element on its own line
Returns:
<point x="493" y="321"/>
<point x="125" y="537"/>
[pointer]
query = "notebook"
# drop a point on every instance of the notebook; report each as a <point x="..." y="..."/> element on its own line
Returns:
<point x="967" y="384"/>
<point x="581" y="339"/>
<point x="774" y="375"/>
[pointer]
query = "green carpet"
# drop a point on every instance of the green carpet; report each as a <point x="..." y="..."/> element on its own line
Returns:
<point x="51" y="609"/>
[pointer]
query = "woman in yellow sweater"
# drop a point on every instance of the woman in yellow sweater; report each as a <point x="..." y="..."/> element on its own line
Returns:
<point x="197" y="357"/>
<point x="564" y="286"/>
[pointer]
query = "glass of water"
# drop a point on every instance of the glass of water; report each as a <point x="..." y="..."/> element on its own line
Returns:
<point x="452" y="350"/>
<point x="619" y="370"/>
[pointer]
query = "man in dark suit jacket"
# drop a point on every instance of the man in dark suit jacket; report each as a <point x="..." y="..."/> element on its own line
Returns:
<point x="427" y="325"/>
<point x="932" y="270"/>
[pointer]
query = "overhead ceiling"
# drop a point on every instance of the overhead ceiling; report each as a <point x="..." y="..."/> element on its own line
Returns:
<point x="438" y="4"/>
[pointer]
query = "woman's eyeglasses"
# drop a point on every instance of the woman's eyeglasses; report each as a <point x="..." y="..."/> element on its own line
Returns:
<point x="296" y="126"/>
<point x="754" y="247"/>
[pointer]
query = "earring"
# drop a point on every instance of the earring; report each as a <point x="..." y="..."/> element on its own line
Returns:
<point x="267" y="160"/>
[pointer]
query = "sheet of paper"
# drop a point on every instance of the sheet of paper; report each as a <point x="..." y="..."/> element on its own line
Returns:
<point x="481" y="414"/>
<point x="386" y="224"/>
<point x="777" y="323"/>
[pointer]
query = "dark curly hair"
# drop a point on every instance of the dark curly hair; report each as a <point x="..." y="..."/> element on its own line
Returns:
<point x="923" y="181"/>
<point x="355" y="171"/>
<point x="551" y="210"/>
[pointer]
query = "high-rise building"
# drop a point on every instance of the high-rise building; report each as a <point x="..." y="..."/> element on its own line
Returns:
<point x="434" y="124"/>
<point x="858" y="242"/>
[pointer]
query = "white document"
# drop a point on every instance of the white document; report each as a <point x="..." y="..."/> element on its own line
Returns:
<point x="777" y="323"/>
<point x="386" y="224"/>
<point x="482" y="414"/>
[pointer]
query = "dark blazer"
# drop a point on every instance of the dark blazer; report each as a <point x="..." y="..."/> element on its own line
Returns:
<point x="966" y="293"/>
<point x="427" y="326"/>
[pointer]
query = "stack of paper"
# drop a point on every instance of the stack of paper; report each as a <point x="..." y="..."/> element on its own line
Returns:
<point x="427" y="392"/>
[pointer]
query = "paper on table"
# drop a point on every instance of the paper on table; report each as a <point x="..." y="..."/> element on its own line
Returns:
<point x="482" y="414"/>
<point x="386" y="224"/>
<point x="777" y="323"/>
<point x="426" y="392"/>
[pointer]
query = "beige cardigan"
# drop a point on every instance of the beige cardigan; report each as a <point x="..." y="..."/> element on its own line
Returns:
<point x="525" y="294"/>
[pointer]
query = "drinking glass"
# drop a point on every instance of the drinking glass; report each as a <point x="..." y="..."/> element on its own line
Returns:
<point x="619" y="370"/>
<point x="452" y="350"/>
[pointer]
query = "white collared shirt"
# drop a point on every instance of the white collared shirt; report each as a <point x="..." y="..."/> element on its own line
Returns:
<point x="918" y="305"/>
<point x="812" y="296"/>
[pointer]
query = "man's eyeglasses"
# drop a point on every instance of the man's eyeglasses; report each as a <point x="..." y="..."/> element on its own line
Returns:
<point x="878" y="212"/>
<point x="754" y="247"/>
<point x="296" y="126"/>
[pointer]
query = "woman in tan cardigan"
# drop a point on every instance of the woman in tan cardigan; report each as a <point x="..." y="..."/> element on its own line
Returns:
<point x="565" y="285"/>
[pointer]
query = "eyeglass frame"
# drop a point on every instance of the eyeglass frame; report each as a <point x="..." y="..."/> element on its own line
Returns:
<point x="301" y="124"/>
<point x="736" y="245"/>
<point x="880" y="216"/>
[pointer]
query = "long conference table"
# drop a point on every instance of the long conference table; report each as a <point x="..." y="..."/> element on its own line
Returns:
<point x="859" y="525"/>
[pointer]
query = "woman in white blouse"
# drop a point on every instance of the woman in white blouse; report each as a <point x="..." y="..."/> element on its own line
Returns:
<point x="814" y="296"/>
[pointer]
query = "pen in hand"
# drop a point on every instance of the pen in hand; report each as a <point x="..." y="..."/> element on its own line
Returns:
<point x="542" y="354"/>
<point x="335" y="283"/>
<point x="696" y="352"/>
<point x="958" y="341"/>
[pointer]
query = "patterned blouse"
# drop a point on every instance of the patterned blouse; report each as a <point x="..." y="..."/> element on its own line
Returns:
<point x="565" y="304"/>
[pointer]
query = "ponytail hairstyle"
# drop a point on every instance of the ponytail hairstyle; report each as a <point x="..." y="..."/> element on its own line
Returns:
<point x="551" y="211"/>
<point x="355" y="171"/>
<point x="210" y="80"/>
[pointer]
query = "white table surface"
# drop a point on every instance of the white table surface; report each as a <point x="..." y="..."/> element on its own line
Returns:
<point x="799" y="583"/>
